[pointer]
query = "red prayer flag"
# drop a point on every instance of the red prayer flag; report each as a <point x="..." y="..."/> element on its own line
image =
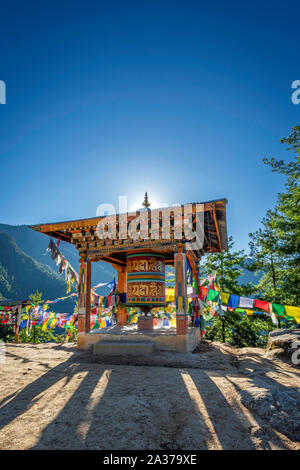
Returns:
<point x="261" y="304"/>
<point x="202" y="292"/>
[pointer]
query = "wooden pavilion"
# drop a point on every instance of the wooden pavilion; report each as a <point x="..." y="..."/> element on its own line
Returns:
<point x="83" y="234"/>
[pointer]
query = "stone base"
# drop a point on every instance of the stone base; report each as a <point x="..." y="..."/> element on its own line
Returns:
<point x="145" y="323"/>
<point x="162" y="338"/>
<point x="124" y="348"/>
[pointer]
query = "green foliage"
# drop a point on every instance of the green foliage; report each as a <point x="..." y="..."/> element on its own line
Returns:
<point x="47" y="336"/>
<point x="36" y="298"/>
<point x="228" y="267"/>
<point x="74" y="334"/>
<point x="275" y="248"/>
<point x="240" y="330"/>
<point x="264" y="252"/>
<point x="37" y="335"/>
<point x="6" y="333"/>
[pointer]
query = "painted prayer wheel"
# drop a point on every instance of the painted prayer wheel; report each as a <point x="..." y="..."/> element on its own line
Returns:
<point x="145" y="280"/>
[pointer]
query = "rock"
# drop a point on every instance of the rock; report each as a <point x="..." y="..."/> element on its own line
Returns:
<point x="274" y="353"/>
<point x="280" y="409"/>
<point x="286" y="339"/>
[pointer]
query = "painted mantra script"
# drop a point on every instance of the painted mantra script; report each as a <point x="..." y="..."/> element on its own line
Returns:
<point x="147" y="265"/>
<point x="151" y="289"/>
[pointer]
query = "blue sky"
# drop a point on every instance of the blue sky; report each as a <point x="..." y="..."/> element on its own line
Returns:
<point x="180" y="99"/>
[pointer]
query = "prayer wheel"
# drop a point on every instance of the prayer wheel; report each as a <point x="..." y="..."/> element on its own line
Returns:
<point x="145" y="280"/>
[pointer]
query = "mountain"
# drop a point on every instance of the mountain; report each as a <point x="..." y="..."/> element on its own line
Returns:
<point x="25" y="266"/>
<point x="35" y="244"/>
<point x="20" y="274"/>
<point x="249" y="276"/>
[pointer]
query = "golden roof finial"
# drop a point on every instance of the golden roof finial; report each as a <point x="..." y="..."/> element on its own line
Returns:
<point x="146" y="203"/>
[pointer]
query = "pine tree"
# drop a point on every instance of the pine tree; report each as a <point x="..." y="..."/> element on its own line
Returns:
<point x="276" y="247"/>
<point x="227" y="267"/>
<point x="36" y="298"/>
<point x="265" y="259"/>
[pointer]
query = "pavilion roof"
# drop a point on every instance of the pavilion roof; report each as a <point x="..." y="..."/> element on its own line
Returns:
<point x="81" y="233"/>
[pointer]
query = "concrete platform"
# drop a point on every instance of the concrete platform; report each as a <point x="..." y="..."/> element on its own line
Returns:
<point x="123" y="348"/>
<point x="164" y="339"/>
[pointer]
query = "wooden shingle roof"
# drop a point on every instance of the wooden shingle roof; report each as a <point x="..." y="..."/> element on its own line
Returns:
<point x="82" y="233"/>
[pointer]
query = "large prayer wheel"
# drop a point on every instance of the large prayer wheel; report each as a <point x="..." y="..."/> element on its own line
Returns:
<point x="145" y="280"/>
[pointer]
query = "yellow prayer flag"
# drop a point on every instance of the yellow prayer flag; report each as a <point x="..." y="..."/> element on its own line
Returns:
<point x="292" y="311"/>
<point x="52" y="324"/>
<point x="170" y="294"/>
<point x="68" y="336"/>
<point x="224" y="298"/>
<point x="169" y="309"/>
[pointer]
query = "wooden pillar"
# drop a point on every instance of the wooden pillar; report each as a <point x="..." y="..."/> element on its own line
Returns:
<point x="121" y="312"/>
<point x="84" y="299"/>
<point x="88" y="297"/>
<point x="193" y="266"/>
<point x="17" y="332"/>
<point x="180" y="292"/>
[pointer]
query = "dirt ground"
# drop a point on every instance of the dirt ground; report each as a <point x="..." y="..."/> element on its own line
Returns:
<point x="55" y="397"/>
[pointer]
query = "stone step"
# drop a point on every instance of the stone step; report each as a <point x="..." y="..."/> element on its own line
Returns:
<point x="123" y="348"/>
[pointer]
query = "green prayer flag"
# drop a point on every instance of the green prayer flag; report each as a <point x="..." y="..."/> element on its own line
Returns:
<point x="195" y="286"/>
<point x="278" y="309"/>
<point x="213" y="295"/>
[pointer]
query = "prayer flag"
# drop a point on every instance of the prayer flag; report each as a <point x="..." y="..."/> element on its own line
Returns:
<point x="278" y="309"/>
<point x="224" y="298"/>
<point x="213" y="295"/>
<point x="246" y="302"/>
<point x="233" y="301"/>
<point x="195" y="286"/>
<point x="292" y="311"/>
<point x="261" y="304"/>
